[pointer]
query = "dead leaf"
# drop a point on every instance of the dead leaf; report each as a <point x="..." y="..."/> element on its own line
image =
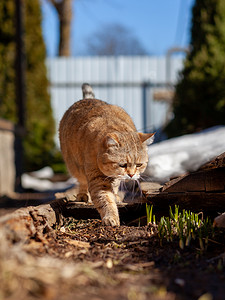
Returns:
<point x="78" y="243"/>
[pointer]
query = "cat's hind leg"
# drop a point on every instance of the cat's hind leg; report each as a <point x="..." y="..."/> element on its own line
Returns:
<point x="83" y="195"/>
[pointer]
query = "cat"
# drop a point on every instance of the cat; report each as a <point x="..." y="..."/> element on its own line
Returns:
<point x="101" y="147"/>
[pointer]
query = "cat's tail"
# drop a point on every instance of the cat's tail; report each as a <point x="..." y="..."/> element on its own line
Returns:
<point x="87" y="91"/>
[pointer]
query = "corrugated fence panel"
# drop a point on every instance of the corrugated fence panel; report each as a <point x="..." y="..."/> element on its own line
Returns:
<point x="117" y="80"/>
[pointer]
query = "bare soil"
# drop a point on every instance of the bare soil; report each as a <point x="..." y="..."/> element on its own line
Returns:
<point x="83" y="259"/>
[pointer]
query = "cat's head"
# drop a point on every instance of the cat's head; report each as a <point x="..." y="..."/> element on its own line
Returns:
<point x="124" y="155"/>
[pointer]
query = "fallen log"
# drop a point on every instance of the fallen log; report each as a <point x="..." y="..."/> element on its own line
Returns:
<point x="31" y="221"/>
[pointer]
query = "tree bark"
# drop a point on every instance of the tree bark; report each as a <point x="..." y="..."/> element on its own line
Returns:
<point x="64" y="10"/>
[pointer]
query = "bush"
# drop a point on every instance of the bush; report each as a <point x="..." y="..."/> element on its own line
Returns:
<point x="200" y="93"/>
<point x="38" y="143"/>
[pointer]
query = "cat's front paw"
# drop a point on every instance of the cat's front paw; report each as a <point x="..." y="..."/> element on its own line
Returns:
<point x="110" y="221"/>
<point x="120" y="197"/>
<point x="81" y="197"/>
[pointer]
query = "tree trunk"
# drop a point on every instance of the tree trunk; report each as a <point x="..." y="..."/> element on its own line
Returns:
<point x="64" y="10"/>
<point x="65" y="18"/>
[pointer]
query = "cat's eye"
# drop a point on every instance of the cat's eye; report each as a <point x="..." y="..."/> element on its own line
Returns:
<point x="123" y="165"/>
<point x="138" y="165"/>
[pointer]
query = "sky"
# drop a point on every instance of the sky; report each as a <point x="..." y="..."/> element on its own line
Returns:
<point x="157" y="24"/>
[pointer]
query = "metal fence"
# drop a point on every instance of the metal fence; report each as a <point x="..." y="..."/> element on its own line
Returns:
<point x="129" y="82"/>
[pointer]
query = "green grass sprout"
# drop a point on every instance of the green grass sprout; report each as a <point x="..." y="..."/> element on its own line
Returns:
<point x="182" y="225"/>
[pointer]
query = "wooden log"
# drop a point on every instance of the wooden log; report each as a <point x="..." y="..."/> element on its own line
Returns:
<point x="31" y="221"/>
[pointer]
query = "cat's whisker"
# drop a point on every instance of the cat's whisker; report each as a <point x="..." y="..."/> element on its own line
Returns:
<point x="145" y="178"/>
<point x="133" y="183"/>
<point x="139" y="185"/>
<point x="123" y="185"/>
<point x="133" y="192"/>
<point x="143" y="175"/>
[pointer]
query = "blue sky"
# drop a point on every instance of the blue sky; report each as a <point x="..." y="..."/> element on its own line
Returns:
<point x="158" y="24"/>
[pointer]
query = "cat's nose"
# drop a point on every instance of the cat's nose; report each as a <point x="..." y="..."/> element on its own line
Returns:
<point x="131" y="175"/>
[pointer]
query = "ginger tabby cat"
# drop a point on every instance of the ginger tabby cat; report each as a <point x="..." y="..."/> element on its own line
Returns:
<point x="101" y="147"/>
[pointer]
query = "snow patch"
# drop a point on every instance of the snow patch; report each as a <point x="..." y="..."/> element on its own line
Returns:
<point x="183" y="154"/>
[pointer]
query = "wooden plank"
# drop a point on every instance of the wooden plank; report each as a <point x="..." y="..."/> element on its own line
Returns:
<point x="163" y="95"/>
<point x="215" y="180"/>
<point x="191" y="182"/>
<point x="200" y="181"/>
<point x="194" y="201"/>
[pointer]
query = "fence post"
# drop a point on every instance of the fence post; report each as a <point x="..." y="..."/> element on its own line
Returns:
<point x="144" y="86"/>
<point x="20" y="90"/>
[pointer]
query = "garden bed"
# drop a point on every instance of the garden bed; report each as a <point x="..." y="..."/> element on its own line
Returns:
<point x="50" y="251"/>
<point x="81" y="259"/>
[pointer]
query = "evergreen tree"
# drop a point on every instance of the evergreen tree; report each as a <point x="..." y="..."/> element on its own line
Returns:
<point x="7" y="61"/>
<point x="200" y="93"/>
<point x="39" y="140"/>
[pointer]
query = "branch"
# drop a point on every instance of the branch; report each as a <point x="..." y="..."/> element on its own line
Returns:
<point x="57" y="5"/>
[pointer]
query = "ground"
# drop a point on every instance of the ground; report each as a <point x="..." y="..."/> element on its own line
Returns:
<point x="82" y="259"/>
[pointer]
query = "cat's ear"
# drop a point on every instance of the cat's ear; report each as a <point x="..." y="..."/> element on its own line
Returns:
<point x="111" y="140"/>
<point x="148" y="138"/>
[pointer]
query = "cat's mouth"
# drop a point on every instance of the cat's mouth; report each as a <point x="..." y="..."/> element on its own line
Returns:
<point x="129" y="177"/>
